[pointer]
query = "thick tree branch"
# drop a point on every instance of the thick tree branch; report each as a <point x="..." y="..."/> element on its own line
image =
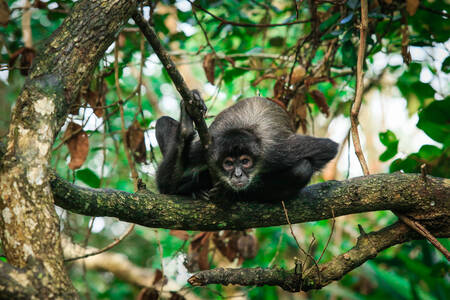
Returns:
<point x="367" y="247"/>
<point x="408" y="193"/>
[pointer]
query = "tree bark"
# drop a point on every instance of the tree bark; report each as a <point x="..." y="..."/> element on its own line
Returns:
<point x="29" y="227"/>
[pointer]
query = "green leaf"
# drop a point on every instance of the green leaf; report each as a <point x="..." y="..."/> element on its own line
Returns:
<point x="429" y="152"/>
<point x="387" y="138"/>
<point x="434" y="120"/>
<point x="349" y="57"/>
<point x="231" y="75"/>
<point x="446" y="65"/>
<point x="88" y="177"/>
<point x="328" y="22"/>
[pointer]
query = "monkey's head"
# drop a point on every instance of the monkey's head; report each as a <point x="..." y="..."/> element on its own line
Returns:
<point x="237" y="156"/>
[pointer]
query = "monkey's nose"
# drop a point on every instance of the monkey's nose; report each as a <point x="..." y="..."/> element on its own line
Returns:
<point x="238" y="172"/>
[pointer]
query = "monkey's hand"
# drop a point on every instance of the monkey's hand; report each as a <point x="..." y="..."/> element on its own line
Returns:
<point x="196" y="108"/>
<point x="210" y="194"/>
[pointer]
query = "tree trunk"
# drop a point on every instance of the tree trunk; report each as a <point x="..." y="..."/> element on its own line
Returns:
<point x="29" y="226"/>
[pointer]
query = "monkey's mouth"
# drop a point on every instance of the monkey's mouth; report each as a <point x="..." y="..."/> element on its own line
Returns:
<point x="239" y="185"/>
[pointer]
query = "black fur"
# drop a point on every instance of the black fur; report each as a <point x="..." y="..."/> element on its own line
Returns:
<point x="283" y="162"/>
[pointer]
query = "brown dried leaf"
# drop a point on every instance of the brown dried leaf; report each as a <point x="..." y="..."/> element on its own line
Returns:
<point x="203" y="262"/>
<point x="263" y="77"/>
<point x="278" y="88"/>
<point x="121" y="40"/>
<point x="247" y="246"/>
<point x="158" y="276"/>
<point x="321" y="101"/>
<point x="197" y="258"/>
<point x="225" y="244"/>
<point x="181" y="234"/>
<point x="209" y="66"/>
<point x="278" y="102"/>
<point x="4" y="13"/>
<point x="95" y="101"/>
<point x="136" y="142"/>
<point x="39" y="4"/>
<point x="176" y="296"/>
<point x="388" y="1"/>
<point x="298" y="74"/>
<point x="148" y="293"/>
<point x="411" y="6"/>
<point x="78" y="145"/>
<point x="298" y="111"/>
<point x="26" y="59"/>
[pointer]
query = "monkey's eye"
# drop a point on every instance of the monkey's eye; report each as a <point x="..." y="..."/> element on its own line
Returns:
<point x="246" y="161"/>
<point x="228" y="164"/>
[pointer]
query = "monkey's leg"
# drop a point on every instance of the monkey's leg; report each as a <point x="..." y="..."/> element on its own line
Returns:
<point x="166" y="133"/>
<point x="174" y="175"/>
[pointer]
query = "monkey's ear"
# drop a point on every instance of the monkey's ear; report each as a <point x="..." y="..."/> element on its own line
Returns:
<point x="166" y="128"/>
<point x="319" y="151"/>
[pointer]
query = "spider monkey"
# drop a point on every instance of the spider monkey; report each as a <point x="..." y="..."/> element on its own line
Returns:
<point x="255" y="154"/>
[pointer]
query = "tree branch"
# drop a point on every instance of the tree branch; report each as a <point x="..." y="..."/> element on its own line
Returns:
<point x="194" y="107"/>
<point x="404" y="193"/>
<point x="367" y="247"/>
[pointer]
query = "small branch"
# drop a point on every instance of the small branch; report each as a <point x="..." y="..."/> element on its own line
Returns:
<point x="104" y="249"/>
<point x="195" y="110"/>
<point x="116" y="263"/>
<point x="134" y="174"/>
<point x="367" y="247"/>
<point x="425" y="233"/>
<point x="441" y="13"/>
<point x="26" y="25"/>
<point x="360" y="87"/>
<point x="223" y="21"/>
<point x="306" y="253"/>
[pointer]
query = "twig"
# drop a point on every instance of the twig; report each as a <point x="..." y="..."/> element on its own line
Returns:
<point x="280" y="239"/>
<point x="126" y="147"/>
<point x="205" y="34"/>
<point x="121" y="238"/>
<point x="298" y="244"/>
<point x="296" y="9"/>
<point x="360" y="87"/>
<point x="223" y="21"/>
<point x="425" y="233"/>
<point x="329" y="238"/>
<point x="161" y="256"/>
<point x="434" y="11"/>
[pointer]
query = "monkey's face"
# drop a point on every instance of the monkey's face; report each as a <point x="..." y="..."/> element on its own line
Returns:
<point x="237" y="171"/>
